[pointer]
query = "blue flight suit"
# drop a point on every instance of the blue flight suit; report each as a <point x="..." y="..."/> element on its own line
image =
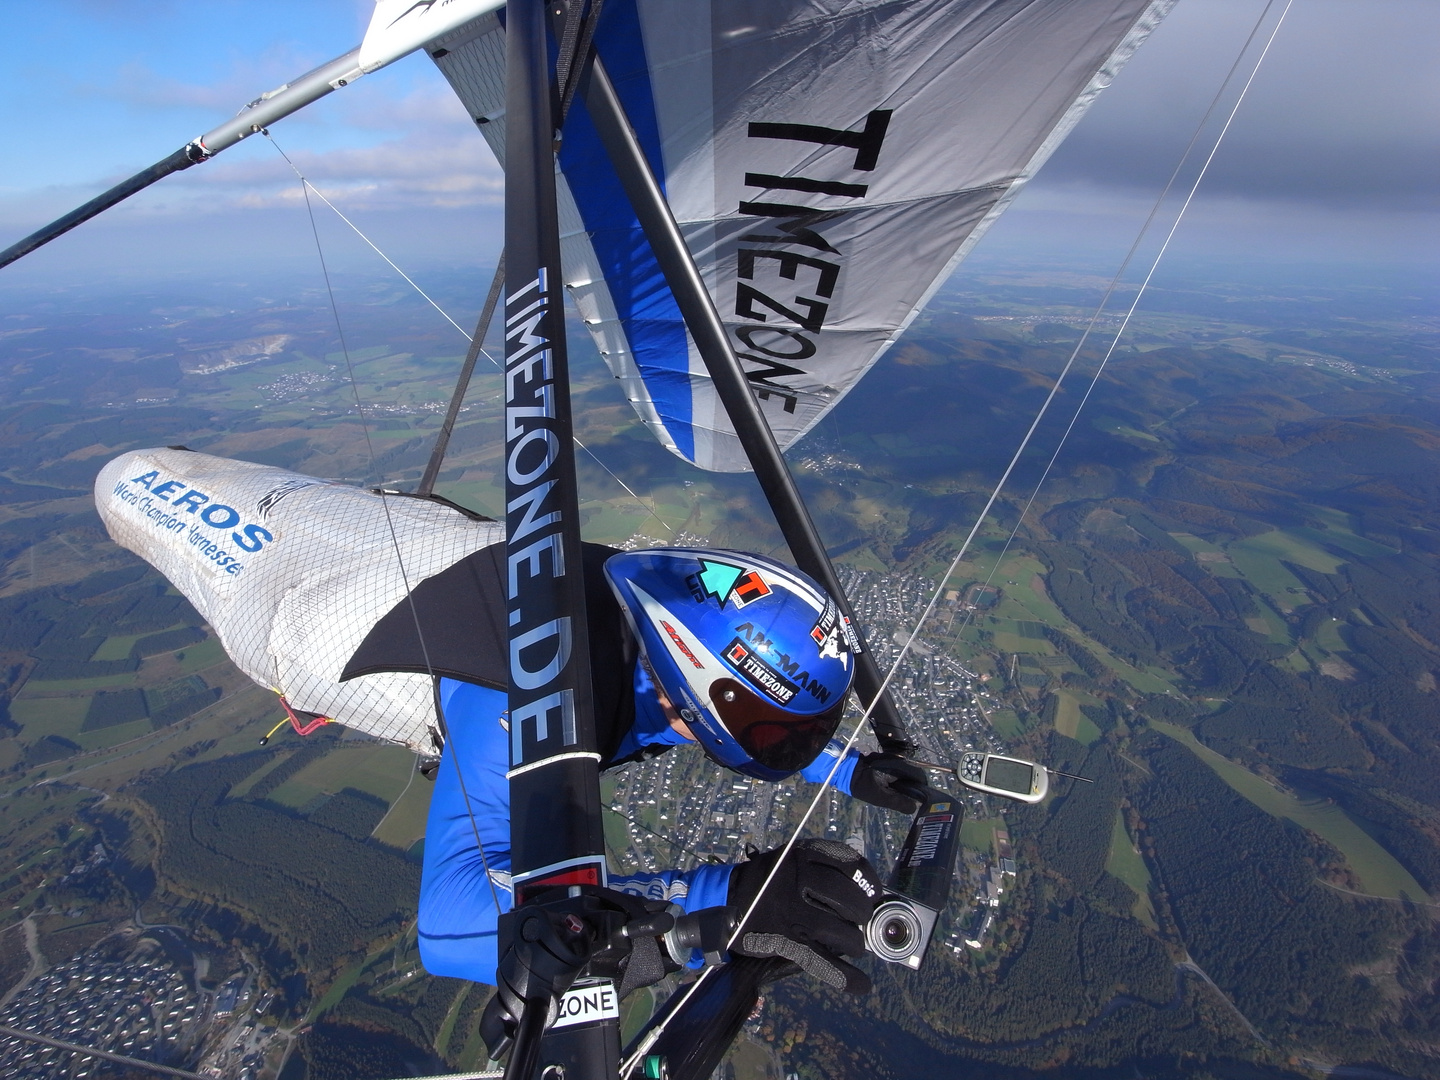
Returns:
<point x="458" y="907"/>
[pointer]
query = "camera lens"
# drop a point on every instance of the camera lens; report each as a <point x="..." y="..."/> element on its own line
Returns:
<point x="896" y="933"/>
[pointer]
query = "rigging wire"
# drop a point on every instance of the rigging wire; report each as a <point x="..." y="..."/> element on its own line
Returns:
<point x="1124" y="265"/>
<point x="120" y="1059"/>
<point x="631" y="1063"/>
<point x="474" y="341"/>
<point x="305" y="188"/>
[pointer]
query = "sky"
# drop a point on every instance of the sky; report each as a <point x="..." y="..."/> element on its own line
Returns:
<point x="1334" y="157"/>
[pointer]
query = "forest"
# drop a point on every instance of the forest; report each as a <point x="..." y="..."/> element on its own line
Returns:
<point x="324" y="893"/>
<point x="1265" y="538"/>
<point x="1239" y="551"/>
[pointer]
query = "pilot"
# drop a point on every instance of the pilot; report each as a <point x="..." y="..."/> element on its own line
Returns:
<point x="737" y="653"/>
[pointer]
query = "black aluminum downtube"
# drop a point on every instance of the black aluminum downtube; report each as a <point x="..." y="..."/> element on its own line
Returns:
<point x="556" y="830"/>
<point x="713" y="343"/>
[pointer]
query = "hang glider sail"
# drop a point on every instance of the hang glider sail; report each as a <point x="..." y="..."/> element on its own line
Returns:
<point x="829" y="164"/>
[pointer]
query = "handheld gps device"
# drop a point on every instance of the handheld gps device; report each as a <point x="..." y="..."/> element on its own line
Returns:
<point x="1010" y="778"/>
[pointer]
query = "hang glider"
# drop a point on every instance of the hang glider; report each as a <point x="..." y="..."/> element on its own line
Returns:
<point x="748" y="202"/>
<point x="828" y="164"/>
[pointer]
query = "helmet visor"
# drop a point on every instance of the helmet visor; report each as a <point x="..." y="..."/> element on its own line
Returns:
<point x="772" y="737"/>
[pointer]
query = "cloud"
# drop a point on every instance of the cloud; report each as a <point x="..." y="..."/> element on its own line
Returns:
<point x="1334" y="148"/>
<point x="1343" y="113"/>
<point x="414" y="172"/>
<point x="137" y="85"/>
<point x="417" y="149"/>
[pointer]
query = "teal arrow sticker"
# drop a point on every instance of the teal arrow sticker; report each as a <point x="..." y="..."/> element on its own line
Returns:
<point x="718" y="579"/>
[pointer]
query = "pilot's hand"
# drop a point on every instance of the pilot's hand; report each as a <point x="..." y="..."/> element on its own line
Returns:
<point x="886" y="780"/>
<point x="812" y="913"/>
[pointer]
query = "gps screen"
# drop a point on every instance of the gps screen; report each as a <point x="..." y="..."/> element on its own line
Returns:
<point x="1013" y="776"/>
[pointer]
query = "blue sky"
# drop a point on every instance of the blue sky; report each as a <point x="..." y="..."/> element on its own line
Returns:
<point x="1335" y="156"/>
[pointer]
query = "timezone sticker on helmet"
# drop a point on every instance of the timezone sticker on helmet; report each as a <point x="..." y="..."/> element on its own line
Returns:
<point x="751" y="586"/>
<point x="759" y="674"/>
<point x="827" y="634"/>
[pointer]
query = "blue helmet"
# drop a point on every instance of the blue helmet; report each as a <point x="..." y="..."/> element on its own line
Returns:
<point x="754" y="655"/>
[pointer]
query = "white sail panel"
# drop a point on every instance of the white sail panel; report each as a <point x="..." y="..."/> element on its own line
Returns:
<point x="829" y="162"/>
<point x="291" y="572"/>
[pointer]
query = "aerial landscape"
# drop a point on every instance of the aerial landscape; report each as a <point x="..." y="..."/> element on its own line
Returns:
<point x="1213" y="590"/>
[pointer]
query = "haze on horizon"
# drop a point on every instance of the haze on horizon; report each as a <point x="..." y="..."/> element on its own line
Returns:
<point x="1332" y="160"/>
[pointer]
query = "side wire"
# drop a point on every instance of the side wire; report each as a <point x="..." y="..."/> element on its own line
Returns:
<point x="629" y="1066"/>
<point x="308" y="187"/>
<point x="305" y="188"/>
<point x="1125" y="265"/>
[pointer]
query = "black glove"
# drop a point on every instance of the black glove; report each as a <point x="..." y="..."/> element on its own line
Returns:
<point x="547" y="944"/>
<point x="885" y="780"/>
<point x="813" y="911"/>
<point x="547" y="950"/>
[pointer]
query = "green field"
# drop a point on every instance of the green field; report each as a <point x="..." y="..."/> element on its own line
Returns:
<point x="201" y="655"/>
<point x="1006" y="723"/>
<point x="404" y="824"/>
<point x="634" y="1012"/>
<point x="338" y="989"/>
<point x="1269" y="623"/>
<point x="1339" y="532"/>
<point x="113" y="736"/>
<point x="83" y="686"/>
<point x="1150" y="681"/>
<point x="117" y="648"/>
<point x="615" y="520"/>
<point x="978" y="834"/>
<point x="1110" y="425"/>
<point x="1128" y="865"/>
<point x="382" y="771"/>
<point x="447" y="1026"/>
<point x="1377" y="868"/>
<point x="748" y="1059"/>
<point x="1328" y="637"/>
<point x="1023" y="594"/>
<point x="1283" y="544"/>
<point x="240" y="790"/>
<point x="1211" y="556"/>
<point x="39" y="717"/>
<point x="1071" y="722"/>
<point x="1258" y="558"/>
<point x="1007" y="642"/>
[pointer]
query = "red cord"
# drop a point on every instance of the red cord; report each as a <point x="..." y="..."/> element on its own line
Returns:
<point x="313" y="725"/>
